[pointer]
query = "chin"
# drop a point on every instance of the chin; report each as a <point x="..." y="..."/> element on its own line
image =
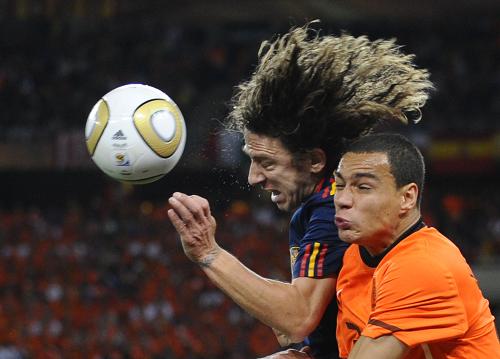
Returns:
<point x="347" y="240"/>
<point x="282" y="207"/>
<point x="347" y="237"/>
<point x="285" y="207"/>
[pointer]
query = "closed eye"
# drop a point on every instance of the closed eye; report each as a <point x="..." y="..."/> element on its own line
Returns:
<point x="267" y="164"/>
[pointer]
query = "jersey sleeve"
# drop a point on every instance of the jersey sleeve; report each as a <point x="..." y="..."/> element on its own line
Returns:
<point x="320" y="251"/>
<point x="417" y="301"/>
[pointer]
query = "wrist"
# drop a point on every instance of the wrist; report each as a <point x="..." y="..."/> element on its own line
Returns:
<point x="208" y="259"/>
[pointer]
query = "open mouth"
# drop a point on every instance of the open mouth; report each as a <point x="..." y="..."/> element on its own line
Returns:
<point x="275" y="196"/>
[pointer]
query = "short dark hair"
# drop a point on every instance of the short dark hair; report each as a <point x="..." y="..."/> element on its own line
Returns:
<point x="313" y="91"/>
<point x="405" y="159"/>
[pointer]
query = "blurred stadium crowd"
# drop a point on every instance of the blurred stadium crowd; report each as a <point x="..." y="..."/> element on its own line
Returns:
<point x="111" y="281"/>
<point x="98" y="279"/>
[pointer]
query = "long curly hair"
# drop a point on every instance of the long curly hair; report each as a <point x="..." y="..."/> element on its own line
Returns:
<point x="324" y="91"/>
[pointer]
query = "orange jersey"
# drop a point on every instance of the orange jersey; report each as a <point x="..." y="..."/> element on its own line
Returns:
<point x="353" y="298"/>
<point x="424" y="293"/>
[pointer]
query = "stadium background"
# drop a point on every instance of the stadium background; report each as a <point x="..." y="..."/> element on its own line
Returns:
<point x="90" y="268"/>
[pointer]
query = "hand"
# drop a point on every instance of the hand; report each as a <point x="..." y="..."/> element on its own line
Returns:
<point x="291" y="354"/>
<point x="191" y="217"/>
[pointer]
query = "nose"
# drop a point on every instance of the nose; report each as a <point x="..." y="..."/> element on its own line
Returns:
<point x="255" y="175"/>
<point x="343" y="199"/>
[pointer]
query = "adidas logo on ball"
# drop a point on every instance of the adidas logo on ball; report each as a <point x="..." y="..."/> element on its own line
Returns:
<point x="119" y="136"/>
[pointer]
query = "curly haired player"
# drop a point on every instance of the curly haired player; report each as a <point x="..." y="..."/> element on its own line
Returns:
<point x="309" y="96"/>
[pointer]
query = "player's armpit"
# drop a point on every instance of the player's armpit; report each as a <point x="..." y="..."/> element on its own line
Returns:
<point x="384" y="347"/>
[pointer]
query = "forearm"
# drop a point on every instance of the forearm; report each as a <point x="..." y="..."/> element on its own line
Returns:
<point x="277" y="304"/>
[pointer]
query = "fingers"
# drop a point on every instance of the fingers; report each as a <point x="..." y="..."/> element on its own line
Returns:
<point x="189" y="207"/>
<point x="176" y="221"/>
<point x="205" y="206"/>
<point x="180" y="208"/>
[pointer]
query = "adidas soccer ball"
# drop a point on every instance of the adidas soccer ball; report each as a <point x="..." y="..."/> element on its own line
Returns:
<point x="135" y="133"/>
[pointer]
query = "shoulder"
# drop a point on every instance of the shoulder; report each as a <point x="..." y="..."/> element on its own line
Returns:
<point x="317" y="202"/>
<point x="322" y="195"/>
<point x="421" y="263"/>
<point x="415" y="273"/>
<point x="315" y="209"/>
<point x="425" y="252"/>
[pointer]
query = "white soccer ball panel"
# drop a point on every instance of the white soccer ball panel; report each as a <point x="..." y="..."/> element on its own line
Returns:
<point x="164" y="125"/>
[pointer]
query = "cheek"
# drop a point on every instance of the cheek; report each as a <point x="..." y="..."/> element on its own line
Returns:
<point x="385" y="214"/>
<point x="291" y="180"/>
<point x="378" y="212"/>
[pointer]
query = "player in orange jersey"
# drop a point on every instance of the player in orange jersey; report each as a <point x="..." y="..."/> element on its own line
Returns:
<point x="422" y="300"/>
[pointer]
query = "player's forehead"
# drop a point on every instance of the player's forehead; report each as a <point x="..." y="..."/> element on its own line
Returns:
<point x="262" y="145"/>
<point x="355" y="165"/>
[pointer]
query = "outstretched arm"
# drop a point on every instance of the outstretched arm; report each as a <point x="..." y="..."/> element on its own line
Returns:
<point x="294" y="309"/>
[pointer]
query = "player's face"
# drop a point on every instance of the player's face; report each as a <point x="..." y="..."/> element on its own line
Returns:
<point x="367" y="202"/>
<point x="274" y="169"/>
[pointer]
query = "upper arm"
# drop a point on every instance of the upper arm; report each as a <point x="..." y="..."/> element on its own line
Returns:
<point x="316" y="256"/>
<point x="316" y="294"/>
<point x="384" y="347"/>
<point x="314" y="236"/>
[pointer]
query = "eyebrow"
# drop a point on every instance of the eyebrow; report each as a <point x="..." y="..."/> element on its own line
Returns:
<point x="337" y="174"/>
<point x="357" y="175"/>
<point x="259" y="157"/>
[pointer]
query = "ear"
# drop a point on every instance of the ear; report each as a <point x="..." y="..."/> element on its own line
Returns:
<point x="318" y="160"/>
<point x="409" y="196"/>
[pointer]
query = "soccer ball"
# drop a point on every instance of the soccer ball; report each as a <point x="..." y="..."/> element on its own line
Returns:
<point x="135" y="133"/>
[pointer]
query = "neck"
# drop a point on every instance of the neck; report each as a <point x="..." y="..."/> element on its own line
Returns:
<point x="314" y="186"/>
<point x="406" y="223"/>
